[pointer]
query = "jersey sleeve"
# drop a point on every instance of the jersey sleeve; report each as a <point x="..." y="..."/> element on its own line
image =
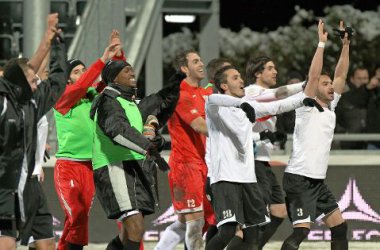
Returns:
<point x="334" y="103"/>
<point x="186" y="108"/>
<point x="74" y="92"/>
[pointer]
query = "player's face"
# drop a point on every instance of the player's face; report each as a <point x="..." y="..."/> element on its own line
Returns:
<point x="325" y="90"/>
<point x="360" y="77"/>
<point x="268" y="77"/>
<point x="76" y="73"/>
<point x="126" y="77"/>
<point x="195" y="67"/>
<point x="234" y="85"/>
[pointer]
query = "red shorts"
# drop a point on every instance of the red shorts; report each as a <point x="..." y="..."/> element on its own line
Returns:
<point x="187" y="182"/>
<point x="74" y="183"/>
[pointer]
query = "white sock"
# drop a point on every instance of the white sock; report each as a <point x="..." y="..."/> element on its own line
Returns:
<point x="193" y="238"/>
<point x="173" y="234"/>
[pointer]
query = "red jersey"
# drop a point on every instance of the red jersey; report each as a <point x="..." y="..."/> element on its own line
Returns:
<point x="188" y="145"/>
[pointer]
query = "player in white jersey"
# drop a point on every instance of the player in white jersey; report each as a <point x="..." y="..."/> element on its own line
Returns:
<point x="237" y="199"/>
<point x="307" y="196"/>
<point x="262" y="73"/>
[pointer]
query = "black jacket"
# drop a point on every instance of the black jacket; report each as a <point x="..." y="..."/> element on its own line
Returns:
<point x="113" y="121"/>
<point x="18" y="122"/>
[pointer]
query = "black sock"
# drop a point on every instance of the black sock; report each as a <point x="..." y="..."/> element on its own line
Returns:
<point x="225" y="233"/>
<point x="294" y="240"/>
<point x="250" y="238"/>
<point x="32" y="248"/>
<point x="235" y="243"/>
<point x="212" y="230"/>
<point x="269" y="230"/>
<point x="115" y="244"/>
<point x="339" y="237"/>
<point x="132" y="245"/>
<point x="339" y="245"/>
<point x="71" y="246"/>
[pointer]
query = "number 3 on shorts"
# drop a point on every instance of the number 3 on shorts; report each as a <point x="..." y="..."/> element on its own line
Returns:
<point x="299" y="211"/>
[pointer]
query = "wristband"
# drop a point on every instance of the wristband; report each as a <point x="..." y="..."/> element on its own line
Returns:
<point x="321" y="44"/>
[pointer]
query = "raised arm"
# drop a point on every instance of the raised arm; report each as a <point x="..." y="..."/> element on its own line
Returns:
<point x="317" y="62"/>
<point x="343" y="64"/>
<point x="74" y="92"/>
<point x="269" y="95"/>
<point x="45" y="44"/>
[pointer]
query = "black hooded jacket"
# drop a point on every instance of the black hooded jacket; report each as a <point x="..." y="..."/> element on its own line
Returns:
<point x="18" y="119"/>
<point x="113" y="121"/>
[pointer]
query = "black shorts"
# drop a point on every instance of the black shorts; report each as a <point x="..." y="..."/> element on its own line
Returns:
<point x="9" y="213"/>
<point x="271" y="189"/>
<point x="39" y="221"/>
<point x="239" y="202"/>
<point x="307" y="198"/>
<point x="127" y="186"/>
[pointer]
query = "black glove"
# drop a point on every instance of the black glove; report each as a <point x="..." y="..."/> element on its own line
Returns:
<point x="155" y="156"/>
<point x="267" y="134"/>
<point x="341" y="33"/>
<point x="281" y="137"/>
<point x="310" y="102"/>
<point x="249" y="111"/>
<point x="159" y="142"/>
<point x="273" y="136"/>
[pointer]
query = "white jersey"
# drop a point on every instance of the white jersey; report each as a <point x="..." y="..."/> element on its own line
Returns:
<point x="42" y="132"/>
<point x="264" y="148"/>
<point x="230" y="143"/>
<point x="313" y="134"/>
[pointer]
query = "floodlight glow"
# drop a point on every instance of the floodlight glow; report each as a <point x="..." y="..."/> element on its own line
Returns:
<point x="179" y="18"/>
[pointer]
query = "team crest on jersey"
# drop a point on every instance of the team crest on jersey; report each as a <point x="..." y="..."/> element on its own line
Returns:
<point x="193" y="111"/>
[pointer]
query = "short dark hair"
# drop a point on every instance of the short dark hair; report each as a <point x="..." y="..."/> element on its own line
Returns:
<point x="181" y="59"/>
<point x="221" y="77"/>
<point x="358" y="68"/>
<point x="255" y="65"/>
<point x="214" y="65"/>
<point x="326" y="73"/>
<point x="294" y="74"/>
<point x="21" y="62"/>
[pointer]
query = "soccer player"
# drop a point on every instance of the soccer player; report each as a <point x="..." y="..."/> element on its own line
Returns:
<point x="187" y="176"/>
<point x="261" y="73"/>
<point x="237" y="198"/>
<point x="124" y="171"/>
<point x="307" y="196"/>
<point x="73" y="176"/>
<point x="22" y="105"/>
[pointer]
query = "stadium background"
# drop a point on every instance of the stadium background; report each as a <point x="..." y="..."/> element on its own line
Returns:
<point x="352" y="176"/>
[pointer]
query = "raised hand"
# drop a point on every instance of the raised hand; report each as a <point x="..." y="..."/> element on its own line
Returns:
<point x="52" y="26"/>
<point x="110" y="52"/>
<point x="346" y="39"/>
<point x="115" y="38"/>
<point x="322" y="34"/>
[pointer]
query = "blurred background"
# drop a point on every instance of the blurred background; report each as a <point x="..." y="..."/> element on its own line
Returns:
<point x="154" y="31"/>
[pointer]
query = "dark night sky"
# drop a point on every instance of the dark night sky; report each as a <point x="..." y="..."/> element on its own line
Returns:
<point x="262" y="15"/>
<point x="269" y="14"/>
